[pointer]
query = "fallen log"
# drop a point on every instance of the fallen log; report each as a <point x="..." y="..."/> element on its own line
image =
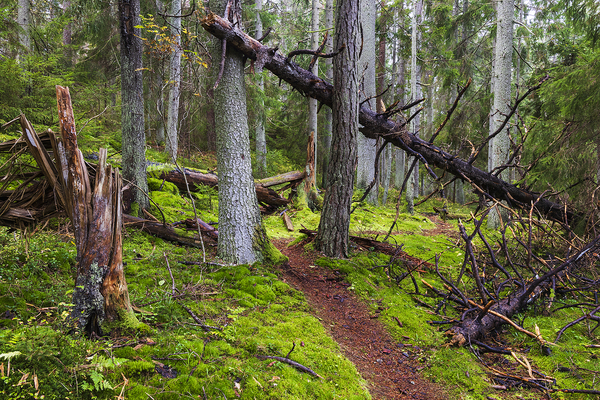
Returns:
<point x="264" y="194"/>
<point x="378" y="125"/>
<point x="478" y="327"/>
<point x="159" y="230"/>
<point x="381" y="247"/>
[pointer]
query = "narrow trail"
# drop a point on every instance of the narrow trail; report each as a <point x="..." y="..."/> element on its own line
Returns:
<point x="386" y="364"/>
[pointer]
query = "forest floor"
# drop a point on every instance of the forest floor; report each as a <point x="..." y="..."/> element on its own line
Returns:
<point x="390" y="367"/>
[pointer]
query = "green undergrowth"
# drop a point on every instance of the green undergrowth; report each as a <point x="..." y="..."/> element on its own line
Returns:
<point x="256" y="313"/>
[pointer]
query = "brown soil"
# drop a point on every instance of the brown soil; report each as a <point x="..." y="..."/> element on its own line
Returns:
<point x="387" y="365"/>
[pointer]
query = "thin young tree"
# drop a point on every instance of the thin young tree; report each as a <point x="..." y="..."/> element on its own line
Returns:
<point x="312" y="103"/>
<point x="261" y="140"/>
<point x="326" y="134"/>
<point x="333" y="234"/>
<point x="132" y="104"/>
<point x="412" y="188"/>
<point x="172" y="138"/>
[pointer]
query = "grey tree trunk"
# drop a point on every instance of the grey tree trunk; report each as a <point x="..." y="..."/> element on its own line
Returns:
<point x="261" y="140"/>
<point x="23" y="18"/>
<point x="412" y="188"/>
<point x="400" y="64"/>
<point x="242" y="236"/>
<point x="385" y="164"/>
<point x="312" y="103"/>
<point x="333" y="234"/>
<point x="367" y="148"/>
<point x="132" y="104"/>
<point x="174" y="81"/>
<point x="326" y="134"/>
<point x="500" y="145"/>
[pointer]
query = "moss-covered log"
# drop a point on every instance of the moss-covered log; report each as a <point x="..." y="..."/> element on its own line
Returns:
<point x="192" y="178"/>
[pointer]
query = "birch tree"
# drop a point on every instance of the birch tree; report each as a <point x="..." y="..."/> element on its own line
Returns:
<point x="333" y="234"/>
<point x="174" y="81"/>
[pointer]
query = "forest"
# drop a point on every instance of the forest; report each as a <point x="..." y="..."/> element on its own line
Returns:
<point x="299" y="199"/>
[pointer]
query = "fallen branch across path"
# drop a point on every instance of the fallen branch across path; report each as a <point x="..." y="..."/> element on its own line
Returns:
<point x="376" y="125"/>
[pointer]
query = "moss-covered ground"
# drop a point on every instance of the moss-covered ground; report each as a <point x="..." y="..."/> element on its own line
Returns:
<point x="257" y="314"/>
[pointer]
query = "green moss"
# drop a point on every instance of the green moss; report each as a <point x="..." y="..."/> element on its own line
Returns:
<point x="139" y="367"/>
<point x="135" y="209"/>
<point x="161" y="185"/>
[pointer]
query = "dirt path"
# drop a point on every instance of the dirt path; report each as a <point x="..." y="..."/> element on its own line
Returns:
<point x="382" y="361"/>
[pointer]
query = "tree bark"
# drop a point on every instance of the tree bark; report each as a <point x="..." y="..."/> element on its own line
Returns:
<point x="412" y="188"/>
<point x="242" y="236"/>
<point x="101" y="293"/>
<point x="24" y="21"/>
<point x="327" y="128"/>
<point x="499" y="146"/>
<point x="312" y="103"/>
<point x="332" y="236"/>
<point x="261" y="140"/>
<point x="172" y="137"/>
<point x="375" y="125"/>
<point x="132" y="104"/>
<point x="367" y="147"/>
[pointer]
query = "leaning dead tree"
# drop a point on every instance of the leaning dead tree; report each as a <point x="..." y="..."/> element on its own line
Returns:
<point x="94" y="208"/>
<point x="380" y="125"/>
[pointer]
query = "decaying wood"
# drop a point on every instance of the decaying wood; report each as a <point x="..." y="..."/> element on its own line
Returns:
<point x="264" y="194"/>
<point x="159" y="230"/>
<point x="294" y="364"/>
<point x="208" y="229"/>
<point x="293" y="177"/>
<point x="100" y="287"/>
<point x="378" y="125"/>
<point x="288" y="221"/>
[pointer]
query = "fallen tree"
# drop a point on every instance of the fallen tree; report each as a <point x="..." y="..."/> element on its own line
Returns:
<point x="264" y="194"/>
<point x="378" y="125"/>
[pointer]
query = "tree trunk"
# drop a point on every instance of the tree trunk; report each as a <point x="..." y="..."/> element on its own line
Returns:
<point x="400" y="73"/>
<point x="172" y="138"/>
<point x="132" y="105"/>
<point x="261" y="140"/>
<point x="24" y="21"/>
<point x="412" y="187"/>
<point x="101" y="293"/>
<point x="500" y="145"/>
<point x="385" y="163"/>
<point x="326" y="134"/>
<point x="376" y="125"/>
<point x="242" y="236"/>
<point x="332" y="236"/>
<point x="312" y="103"/>
<point x="367" y="147"/>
